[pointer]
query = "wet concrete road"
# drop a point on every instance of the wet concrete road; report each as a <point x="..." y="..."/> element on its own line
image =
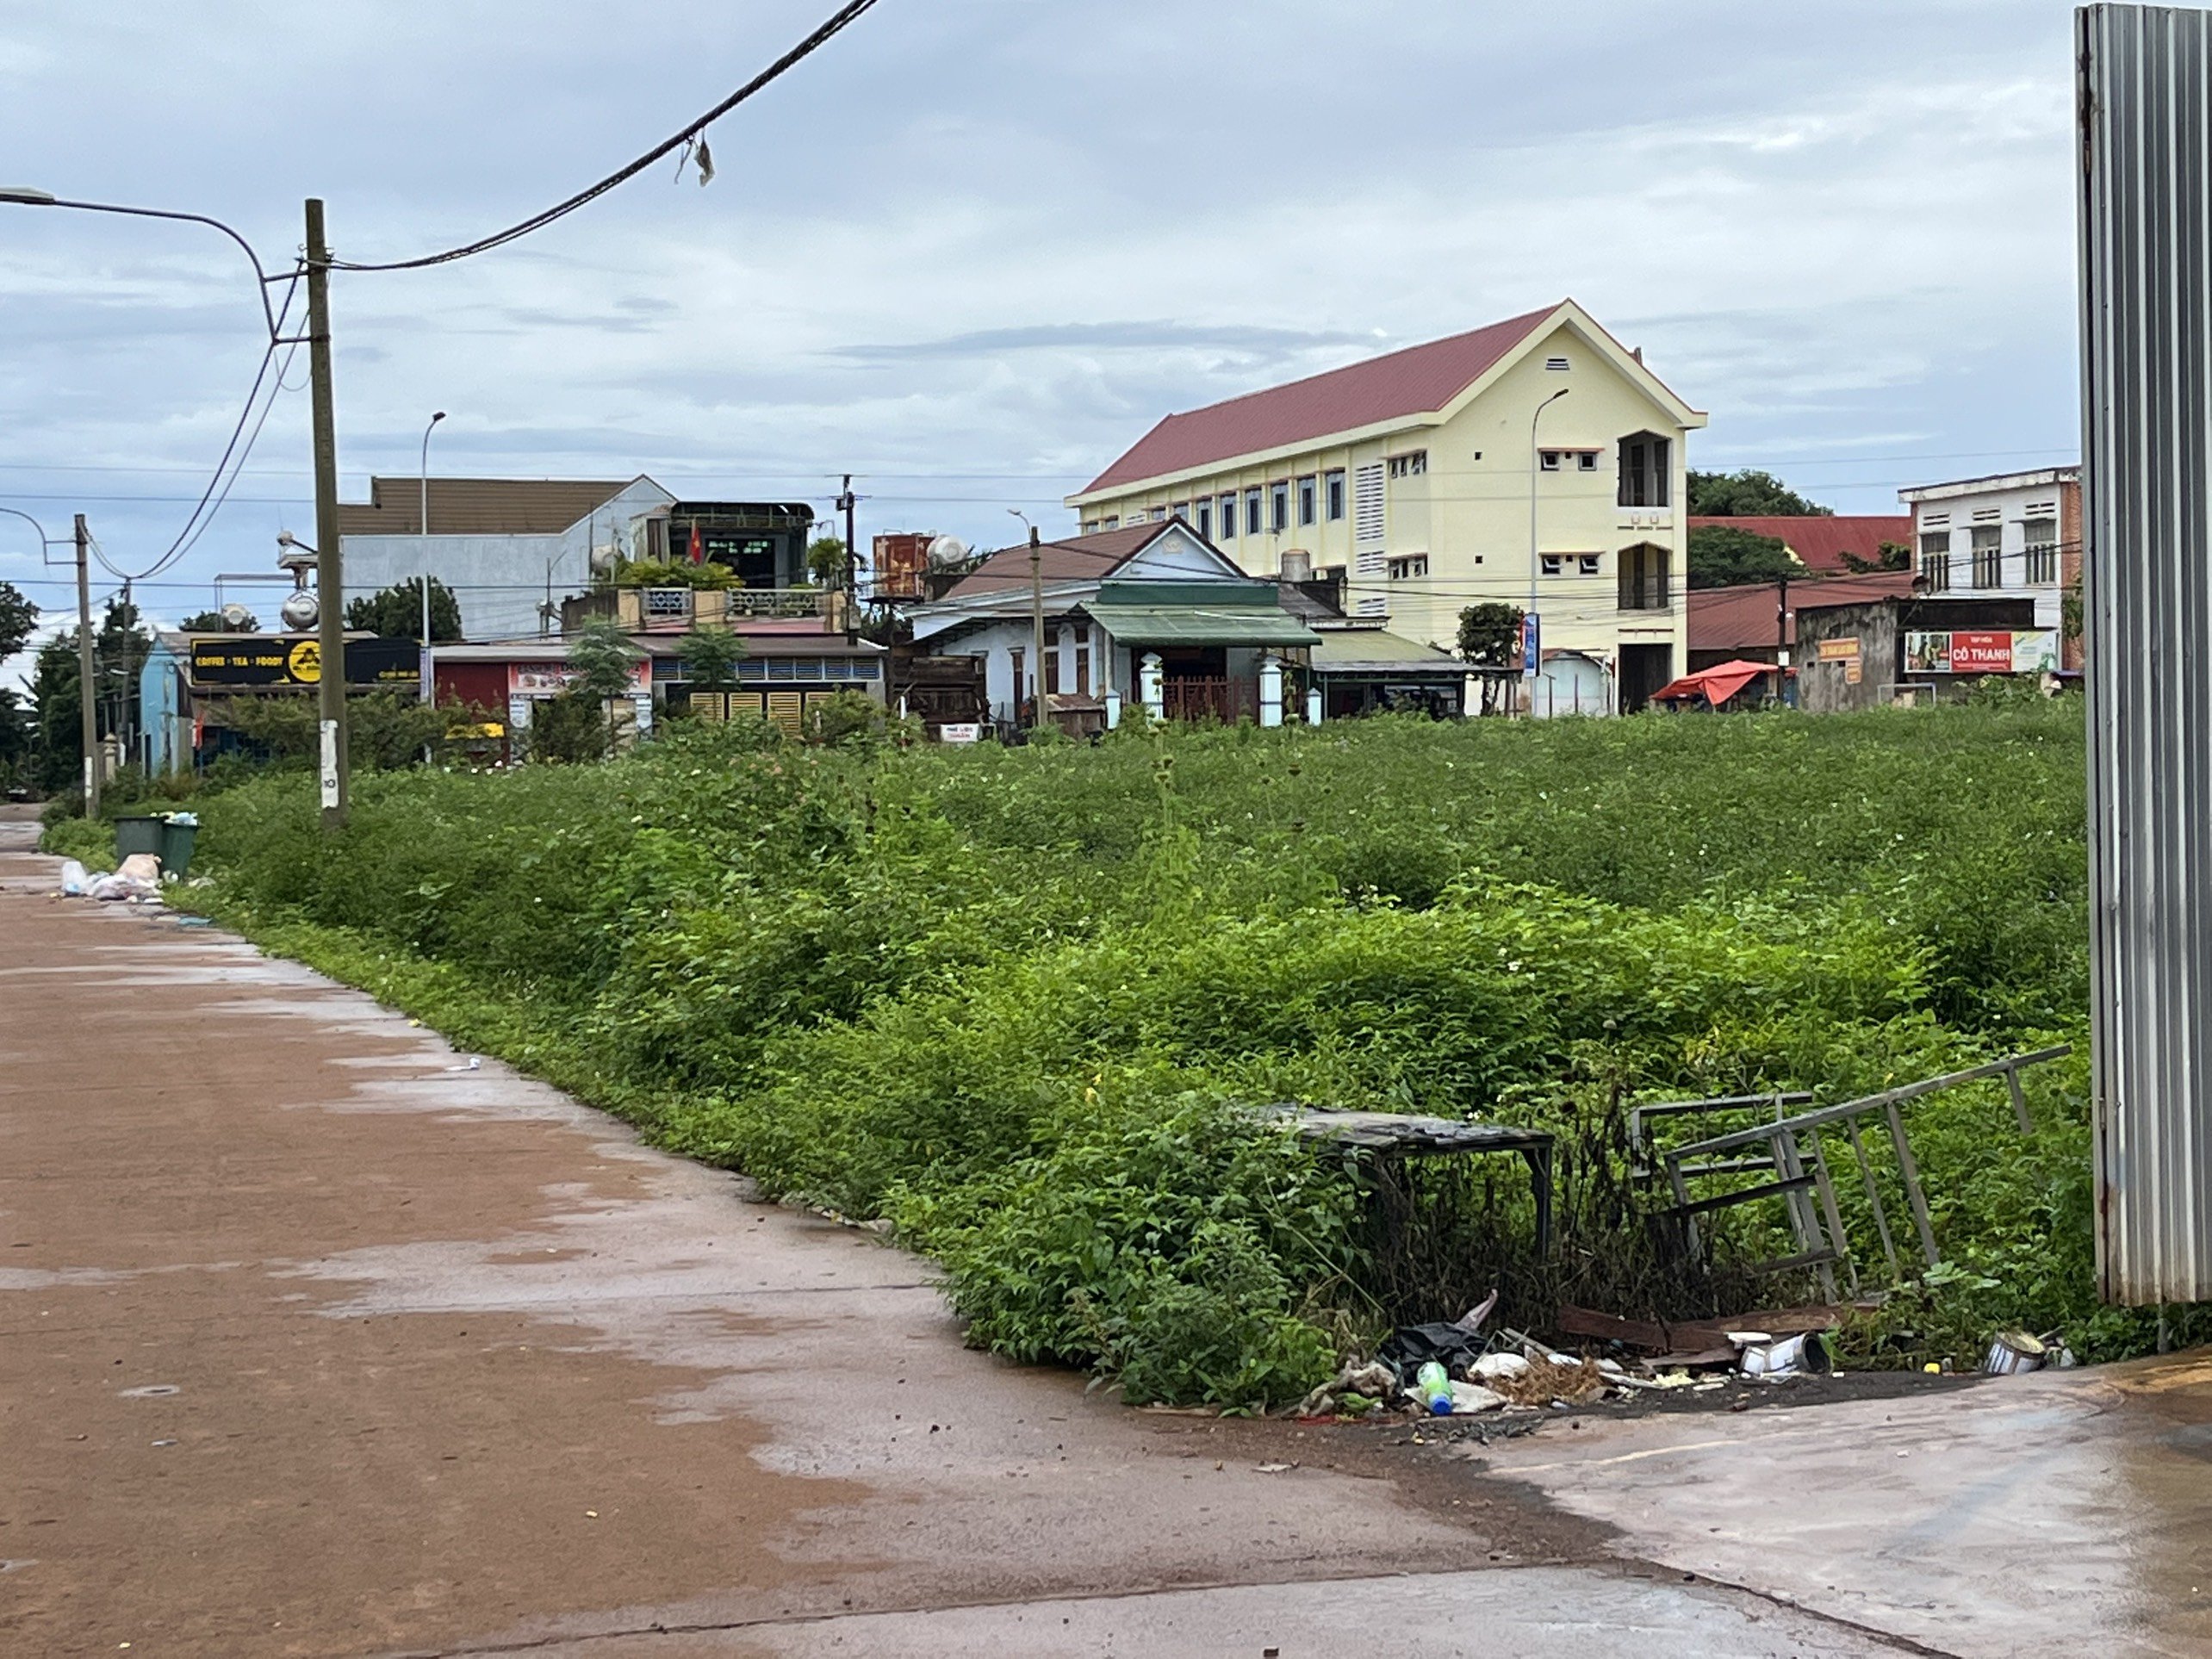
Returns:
<point x="2064" y="1512"/>
<point x="313" y="1340"/>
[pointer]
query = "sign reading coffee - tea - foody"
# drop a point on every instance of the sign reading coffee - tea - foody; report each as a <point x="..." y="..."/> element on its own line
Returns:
<point x="282" y="660"/>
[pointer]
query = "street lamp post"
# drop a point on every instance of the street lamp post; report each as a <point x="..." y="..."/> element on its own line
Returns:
<point x="88" y="723"/>
<point x="330" y="579"/>
<point x="429" y="671"/>
<point x="1532" y="664"/>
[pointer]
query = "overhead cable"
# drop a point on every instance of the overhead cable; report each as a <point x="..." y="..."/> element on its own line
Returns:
<point x="839" y="21"/>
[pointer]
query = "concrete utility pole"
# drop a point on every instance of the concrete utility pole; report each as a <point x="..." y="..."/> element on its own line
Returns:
<point x="1037" y="616"/>
<point x="846" y="501"/>
<point x="1781" y="636"/>
<point x="88" y="723"/>
<point x="330" y="581"/>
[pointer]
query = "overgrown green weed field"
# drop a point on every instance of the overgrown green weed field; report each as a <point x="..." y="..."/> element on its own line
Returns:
<point x="1021" y="1000"/>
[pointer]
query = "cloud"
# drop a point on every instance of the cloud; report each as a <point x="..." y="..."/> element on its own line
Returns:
<point x="1262" y="343"/>
<point x="976" y="248"/>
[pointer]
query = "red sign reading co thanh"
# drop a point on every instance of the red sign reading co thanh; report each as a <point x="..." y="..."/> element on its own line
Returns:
<point x="1981" y="652"/>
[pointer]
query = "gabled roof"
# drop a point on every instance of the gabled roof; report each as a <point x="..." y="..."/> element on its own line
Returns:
<point x="476" y="506"/>
<point x="1078" y="558"/>
<point x="1420" y="379"/>
<point x="1821" y="540"/>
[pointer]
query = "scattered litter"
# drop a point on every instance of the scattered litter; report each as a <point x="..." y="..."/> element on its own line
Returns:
<point x="1431" y="1390"/>
<point x="193" y="921"/>
<point x="1550" y="1379"/>
<point x="2012" y="1352"/>
<point x="139" y="877"/>
<point x="1275" y="1468"/>
<point x="1491" y="1367"/>
<point x="474" y="1065"/>
<point x="73" y="878"/>
<point x="1469" y="1399"/>
<point x="1367" y="1382"/>
<point x="1789" y="1357"/>
<point x="164" y="1442"/>
<point x="1454" y="1346"/>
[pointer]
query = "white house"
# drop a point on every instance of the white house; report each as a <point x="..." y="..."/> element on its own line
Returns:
<point x="2008" y="535"/>
<point x="1112" y="602"/>
<point x="510" y="548"/>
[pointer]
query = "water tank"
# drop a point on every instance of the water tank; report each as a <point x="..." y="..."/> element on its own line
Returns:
<point x="1297" y="565"/>
<point x="300" y="611"/>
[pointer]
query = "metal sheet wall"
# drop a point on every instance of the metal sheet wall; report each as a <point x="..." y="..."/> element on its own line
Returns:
<point x="2147" y="363"/>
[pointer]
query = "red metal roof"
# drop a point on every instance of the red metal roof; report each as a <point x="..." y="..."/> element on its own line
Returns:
<point x="1820" y="542"/>
<point x="1420" y="379"/>
<point x="1078" y="558"/>
<point x="1742" y="618"/>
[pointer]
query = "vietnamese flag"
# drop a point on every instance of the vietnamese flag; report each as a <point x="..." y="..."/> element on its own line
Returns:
<point x="698" y="546"/>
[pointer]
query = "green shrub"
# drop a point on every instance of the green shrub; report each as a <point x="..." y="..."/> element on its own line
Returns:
<point x="1013" y="997"/>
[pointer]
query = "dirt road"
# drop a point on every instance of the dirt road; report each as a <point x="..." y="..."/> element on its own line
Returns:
<point x="318" y="1337"/>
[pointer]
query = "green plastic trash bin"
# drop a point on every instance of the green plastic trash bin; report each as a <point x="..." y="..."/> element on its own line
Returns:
<point x="177" y="835"/>
<point x="138" y="835"/>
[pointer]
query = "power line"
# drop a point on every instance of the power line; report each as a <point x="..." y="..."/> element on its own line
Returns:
<point x="839" y="21"/>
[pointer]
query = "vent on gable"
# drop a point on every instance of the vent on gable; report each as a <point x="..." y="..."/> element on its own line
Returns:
<point x="1988" y="515"/>
<point x="1557" y="365"/>
<point x="2042" y="509"/>
<point x="1934" y="520"/>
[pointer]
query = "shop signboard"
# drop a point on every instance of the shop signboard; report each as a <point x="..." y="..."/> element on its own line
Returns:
<point x="2034" y="651"/>
<point x="277" y="661"/>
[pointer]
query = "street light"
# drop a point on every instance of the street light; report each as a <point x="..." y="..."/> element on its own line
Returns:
<point x="87" y="724"/>
<point x="1532" y="662"/>
<point x="25" y="195"/>
<point x="314" y="265"/>
<point x="422" y="525"/>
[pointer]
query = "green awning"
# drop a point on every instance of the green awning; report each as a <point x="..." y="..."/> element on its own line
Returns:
<point x="1195" y="624"/>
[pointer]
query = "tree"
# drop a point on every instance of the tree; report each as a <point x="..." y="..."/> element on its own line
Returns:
<point x="1721" y="556"/>
<point x="1491" y="636"/>
<point x="1890" y="555"/>
<point x="396" y="613"/>
<point x="215" y="622"/>
<point x="119" y="653"/>
<point x="711" y="656"/>
<point x="1748" y="493"/>
<point x="18" y="616"/>
<point x="386" y="731"/>
<point x="825" y="562"/>
<point x="566" y="729"/>
<point x="604" y="662"/>
<point x="14" y="737"/>
<point x="57" y="762"/>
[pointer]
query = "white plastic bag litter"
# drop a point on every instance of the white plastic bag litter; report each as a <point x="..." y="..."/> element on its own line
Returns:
<point x="141" y="867"/>
<point x="73" y="879"/>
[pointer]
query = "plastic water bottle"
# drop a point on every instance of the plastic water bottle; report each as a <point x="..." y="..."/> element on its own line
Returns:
<point x="1433" y="1384"/>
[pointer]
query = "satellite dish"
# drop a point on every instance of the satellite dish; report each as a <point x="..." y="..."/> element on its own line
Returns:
<point x="948" y="551"/>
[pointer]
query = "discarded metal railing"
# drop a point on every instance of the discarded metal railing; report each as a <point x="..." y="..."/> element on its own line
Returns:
<point x="1791" y="1151"/>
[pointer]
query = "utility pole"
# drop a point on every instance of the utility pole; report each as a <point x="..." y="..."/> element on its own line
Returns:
<point x="330" y="582"/>
<point x="88" y="723"/>
<point x="845" y="504"/>
<point x="1037" y="618"/>
<point x="1781" y="636"/>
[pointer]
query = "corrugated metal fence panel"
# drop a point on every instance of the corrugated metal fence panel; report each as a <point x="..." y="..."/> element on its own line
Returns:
<point x="2146" y="367"/>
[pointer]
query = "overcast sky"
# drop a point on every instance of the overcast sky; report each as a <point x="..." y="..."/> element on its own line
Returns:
<point x="975" y="248"/>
